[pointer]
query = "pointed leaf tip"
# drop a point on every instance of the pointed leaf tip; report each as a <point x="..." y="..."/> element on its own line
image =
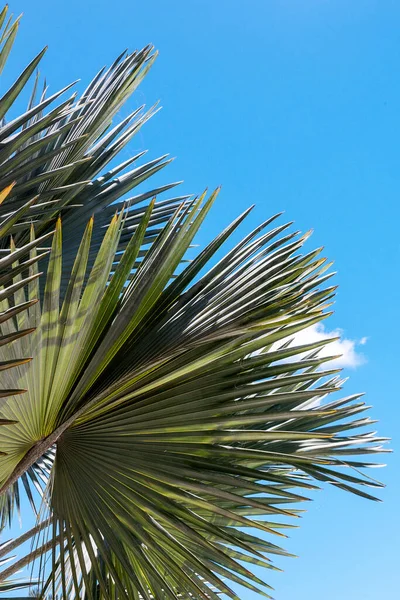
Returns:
<point x="4" y="193"/>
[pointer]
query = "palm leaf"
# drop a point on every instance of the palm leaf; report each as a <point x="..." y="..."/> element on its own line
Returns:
<point x="58" y="152"/>
<point x="173" y="414"/>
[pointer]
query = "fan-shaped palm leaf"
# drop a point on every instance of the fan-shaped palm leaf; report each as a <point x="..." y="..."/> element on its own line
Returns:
<point x="172" y="430"/>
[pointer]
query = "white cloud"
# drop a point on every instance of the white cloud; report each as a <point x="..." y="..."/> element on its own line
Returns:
<point x="347" y="348"/>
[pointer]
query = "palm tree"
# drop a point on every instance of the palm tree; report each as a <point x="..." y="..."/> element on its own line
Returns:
<point x="170" y="425"/>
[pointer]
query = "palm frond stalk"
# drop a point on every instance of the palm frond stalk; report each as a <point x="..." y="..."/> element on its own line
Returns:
<point x="169" y="425"/>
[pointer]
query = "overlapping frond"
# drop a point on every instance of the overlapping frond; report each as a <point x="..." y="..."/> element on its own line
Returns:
<point x="168" y="430"/>
<point x="59" y="151"/>
<point x="175" y="415"/>
<point x="54" y="158"/>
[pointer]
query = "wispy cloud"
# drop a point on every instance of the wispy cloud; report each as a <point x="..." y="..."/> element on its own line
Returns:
<point x="351" y="356"/>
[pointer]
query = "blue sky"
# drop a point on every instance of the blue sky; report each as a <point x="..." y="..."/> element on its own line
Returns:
<point x="293" y="105"/>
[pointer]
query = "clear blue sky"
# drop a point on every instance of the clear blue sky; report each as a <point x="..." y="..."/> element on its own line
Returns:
<point x="294" y="105"/>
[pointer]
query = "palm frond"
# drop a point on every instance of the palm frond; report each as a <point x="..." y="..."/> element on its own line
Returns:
<point x="175" y="416"/>
<point x="58" y="152"/>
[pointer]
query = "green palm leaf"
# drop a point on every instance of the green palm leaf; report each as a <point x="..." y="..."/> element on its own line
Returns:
<point x="173" y="414"/>
<point x="60" y="157"/>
